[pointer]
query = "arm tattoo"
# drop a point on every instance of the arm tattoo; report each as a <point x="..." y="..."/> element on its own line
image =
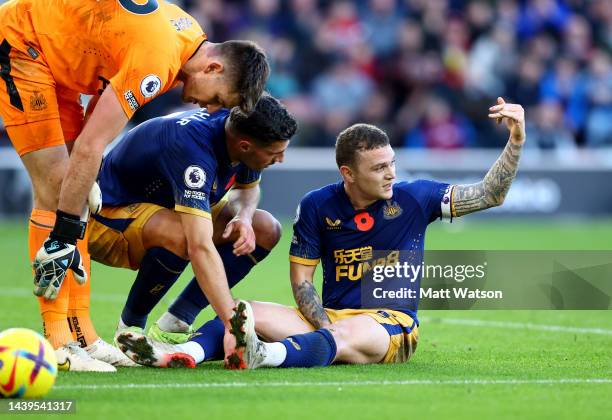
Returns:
<point x="309" y="303"/>
<point x="492" y="190"/>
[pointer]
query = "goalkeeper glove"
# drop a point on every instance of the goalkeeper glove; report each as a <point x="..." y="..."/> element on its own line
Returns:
<point x="58" y="255"/>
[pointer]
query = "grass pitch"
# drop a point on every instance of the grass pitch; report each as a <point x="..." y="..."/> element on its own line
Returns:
<point x="483" y="364"/>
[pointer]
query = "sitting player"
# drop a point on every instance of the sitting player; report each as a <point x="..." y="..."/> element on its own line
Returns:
<point x="341" y="225"/>
<point x="185" y="188"/>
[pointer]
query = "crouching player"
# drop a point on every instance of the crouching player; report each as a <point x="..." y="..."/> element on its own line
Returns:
<point x="185" y="188"/>
<point x="340" y="225"/>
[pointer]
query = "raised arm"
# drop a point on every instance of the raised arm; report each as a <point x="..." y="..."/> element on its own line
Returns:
<point x="492" y="190"/>
<point x="306" y="296"/>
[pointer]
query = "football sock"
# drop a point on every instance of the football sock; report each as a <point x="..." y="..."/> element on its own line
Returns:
<point x="159" y="270"/>
<point x="210" y="340"/>
<point x="276" y="353"/>
<point x="193" y="349"/>
<point x="191" y="301"/>
<point x="79" y="319"/>
<point x="317" y="348"/>
<point x="53" y="312"/>
<point x="81" y="327"/>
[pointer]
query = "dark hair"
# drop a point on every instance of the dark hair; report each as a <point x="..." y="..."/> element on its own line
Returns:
<point x="247" y="69"/>
<point x="357" y="138"/>
<point x="269" y="122"/>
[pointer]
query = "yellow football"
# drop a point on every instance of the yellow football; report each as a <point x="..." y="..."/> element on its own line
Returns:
<point x="28" y="366"/>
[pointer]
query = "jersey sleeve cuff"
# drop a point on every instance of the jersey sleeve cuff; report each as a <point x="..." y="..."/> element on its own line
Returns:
<point x="240" y="186"/>
<point x="129" y="112"/>
<point x="191" y="210"/>
<point x="303" y="261"/>
<point x="446" y="206"/>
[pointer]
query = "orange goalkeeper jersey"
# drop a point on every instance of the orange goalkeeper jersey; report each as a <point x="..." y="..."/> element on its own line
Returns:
<point x="136" y="46"/>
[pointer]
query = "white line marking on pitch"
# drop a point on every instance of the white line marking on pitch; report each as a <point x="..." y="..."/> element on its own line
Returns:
<point x="347" y="383"/>
<point x="518" y="325"/>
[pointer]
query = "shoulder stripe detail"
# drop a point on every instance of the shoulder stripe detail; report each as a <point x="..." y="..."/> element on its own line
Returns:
<point x="191" y="210"/>
<point x="303" y="261"/>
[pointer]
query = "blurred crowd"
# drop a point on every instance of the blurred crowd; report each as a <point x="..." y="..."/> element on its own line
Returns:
<point x="427" y="70"/>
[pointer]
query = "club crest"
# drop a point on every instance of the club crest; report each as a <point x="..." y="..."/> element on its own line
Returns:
<point x="391" y="210"/>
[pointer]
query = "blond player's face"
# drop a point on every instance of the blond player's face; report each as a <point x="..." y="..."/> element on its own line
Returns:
<point x="374" y="173"/>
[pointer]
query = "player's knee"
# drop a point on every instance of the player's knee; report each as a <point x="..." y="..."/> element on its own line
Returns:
<point x="164" y="230"/>
<point x="341" y="334"/>
<point x="46" y="194"/>
<point x="177" y="244"/>
<point x="267" y="229"/>
<point x="175" y="241"/>
<point x="342" y="340"/>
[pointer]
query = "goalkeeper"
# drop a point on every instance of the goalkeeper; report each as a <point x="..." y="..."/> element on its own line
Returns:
<point x="128" y="52"/>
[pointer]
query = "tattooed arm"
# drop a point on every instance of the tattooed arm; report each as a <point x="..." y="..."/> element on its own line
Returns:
<point x="492" y="190"/>
<point x="306" y="296"/>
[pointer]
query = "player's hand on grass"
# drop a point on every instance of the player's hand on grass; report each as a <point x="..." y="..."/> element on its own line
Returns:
<point x="233" y="355"/>
<point x="234" y="341"/>
<point x="514" y="117"/>
<point x="51" y="264"/>
<point x="245" y="243"/>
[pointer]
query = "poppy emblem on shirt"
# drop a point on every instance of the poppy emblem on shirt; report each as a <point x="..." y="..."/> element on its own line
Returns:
<point x="364" y="221"/>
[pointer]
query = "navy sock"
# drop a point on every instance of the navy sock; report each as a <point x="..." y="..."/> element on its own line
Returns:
<point x="159" y="270"/>
<point x="192" y="300"/>
<point x="211" y="339"/>
<point x="317" y="348"/>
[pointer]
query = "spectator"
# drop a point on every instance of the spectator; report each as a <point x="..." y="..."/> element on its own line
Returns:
<point x="337" y="62"/>
<point x="441" y="128"/>
<point x="546" y="130"/>
<point x="599" y="92"/>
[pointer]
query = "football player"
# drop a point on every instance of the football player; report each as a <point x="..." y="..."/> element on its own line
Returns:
<point x="185" y="188"/>
<point x="341" y="225"/>
<point x="129" y="52"/>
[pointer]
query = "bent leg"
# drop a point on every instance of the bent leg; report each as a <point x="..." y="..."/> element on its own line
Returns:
<point x="165" y="230"/>
<point x="274" y="322"/>
<point x="164" y="246"/>
<point x="46" y="168"/>
<point x="360" y="339"/>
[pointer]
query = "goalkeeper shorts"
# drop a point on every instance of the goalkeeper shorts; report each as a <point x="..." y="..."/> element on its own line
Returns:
<point x="402" y="329"/>
<point x="37" y="114"/>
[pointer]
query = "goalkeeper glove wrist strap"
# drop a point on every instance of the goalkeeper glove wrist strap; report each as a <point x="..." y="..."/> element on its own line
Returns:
<point x="68" y="228"/>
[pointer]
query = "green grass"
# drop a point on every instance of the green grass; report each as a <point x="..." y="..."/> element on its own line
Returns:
<point x="510" y="371"/>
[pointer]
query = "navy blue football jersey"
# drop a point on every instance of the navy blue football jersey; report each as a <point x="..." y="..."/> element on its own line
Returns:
<point x="330" y="230"/>
<point x="179" y="161"/>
